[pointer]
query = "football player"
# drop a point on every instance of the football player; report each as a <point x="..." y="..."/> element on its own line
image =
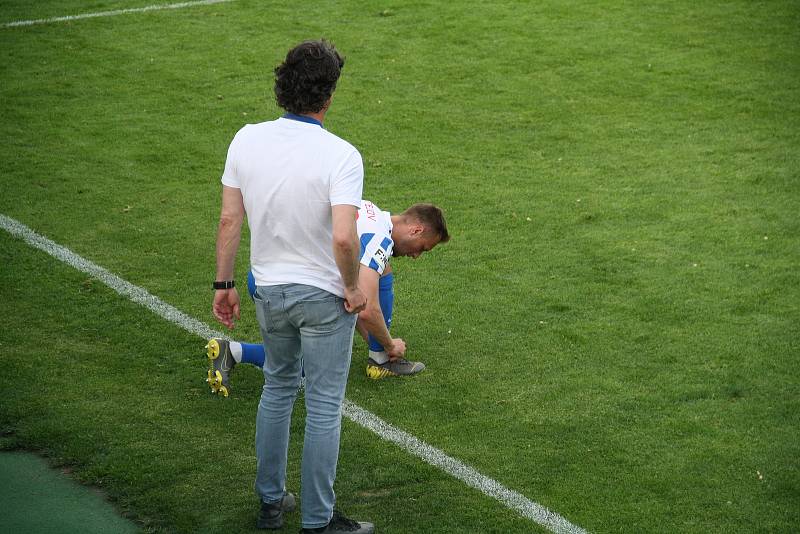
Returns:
<point x="383" y="235"/>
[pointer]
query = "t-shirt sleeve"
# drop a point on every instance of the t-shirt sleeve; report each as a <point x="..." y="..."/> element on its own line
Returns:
<point x="347" y="183"/>
<point x="230" y="175"/>
<point x="375" y="251"/>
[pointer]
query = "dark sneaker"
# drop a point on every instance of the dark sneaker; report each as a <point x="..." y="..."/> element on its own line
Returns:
<point x="271" y="515"/>
<point x="340" y="525"/>
<point x="401" y="367"/>
<point x="221" y="362"/>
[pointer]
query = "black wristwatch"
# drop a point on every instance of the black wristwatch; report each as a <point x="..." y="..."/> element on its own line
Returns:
<point x="224" y="284"/>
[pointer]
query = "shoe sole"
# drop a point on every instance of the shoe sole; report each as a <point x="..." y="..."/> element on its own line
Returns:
<point x="376" y="373"/>
<point x="214" y="378"/>
<point x="272" y="524"/>
<point x="212" y="349"/>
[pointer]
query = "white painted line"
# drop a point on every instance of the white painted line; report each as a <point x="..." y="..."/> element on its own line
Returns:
<point x="159" y="7"/>
<point x="126" y="289"/>
<point x="435" y="457"/>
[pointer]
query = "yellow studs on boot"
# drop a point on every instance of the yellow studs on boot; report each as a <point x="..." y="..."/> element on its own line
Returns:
<point x="212" y="349"/>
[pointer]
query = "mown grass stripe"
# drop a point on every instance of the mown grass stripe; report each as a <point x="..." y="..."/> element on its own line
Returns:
<point x="115" y="12"/>
<point x="431" y="455"/>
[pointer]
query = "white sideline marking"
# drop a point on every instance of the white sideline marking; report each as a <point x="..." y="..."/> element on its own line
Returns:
<point x="112" y="13"/>
<point x="435" y="457"/>
<point x="135" y="293"/>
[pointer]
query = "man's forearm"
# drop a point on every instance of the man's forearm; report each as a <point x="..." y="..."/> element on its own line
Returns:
<point x="229" y="231"/>
<point x="376" y="326"/>
<point x="229" y="234"/>
<point x="346" y="246"/>
<point x="345" y="252"/>
<point x="361" y="328"/>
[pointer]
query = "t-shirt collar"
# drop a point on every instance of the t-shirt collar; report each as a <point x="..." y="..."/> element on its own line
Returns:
<point x="302" y="118"/>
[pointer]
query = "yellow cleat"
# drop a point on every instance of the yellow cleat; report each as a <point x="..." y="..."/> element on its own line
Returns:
<point x="401" y="367"/>
<point x="220" y="362"/>
<point x="212" y="349"/>
<point x="376" y="373"/>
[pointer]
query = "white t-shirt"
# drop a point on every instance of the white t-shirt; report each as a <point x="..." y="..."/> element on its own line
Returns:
<point x="290" y="173"/>
<point x="375" y="232"/>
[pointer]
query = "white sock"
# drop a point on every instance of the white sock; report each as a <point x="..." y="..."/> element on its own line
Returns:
<point x="236" y="351"/>
<point x="379" y="357"/>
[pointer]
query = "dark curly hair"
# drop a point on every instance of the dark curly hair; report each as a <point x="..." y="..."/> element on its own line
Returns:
<point x="307" y="78"/>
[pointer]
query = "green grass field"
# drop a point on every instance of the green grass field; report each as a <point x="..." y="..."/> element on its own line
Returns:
<point x="612" y="331"/>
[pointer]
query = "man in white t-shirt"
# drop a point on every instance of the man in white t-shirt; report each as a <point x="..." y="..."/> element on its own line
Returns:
<point x="383" y="235"/>
<point x="300" y="188"/>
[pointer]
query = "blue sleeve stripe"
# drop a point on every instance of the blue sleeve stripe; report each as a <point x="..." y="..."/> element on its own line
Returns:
<point x="365" y="239"/>
<point x="374" y="265"/>
<point x="385" y="243"/>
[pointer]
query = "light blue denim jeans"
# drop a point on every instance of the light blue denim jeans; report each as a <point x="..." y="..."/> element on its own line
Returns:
<point x="302" y="326"/>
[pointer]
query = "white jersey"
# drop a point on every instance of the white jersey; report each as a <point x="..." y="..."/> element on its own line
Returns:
<point x="290" y="172"/>
<point x="375" y="232"/>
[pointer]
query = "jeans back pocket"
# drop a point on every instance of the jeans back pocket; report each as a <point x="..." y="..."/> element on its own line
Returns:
<point x="263" y="312"/>
<point x="322" y="315"/>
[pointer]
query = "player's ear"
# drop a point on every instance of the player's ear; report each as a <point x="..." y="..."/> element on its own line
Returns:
<point x="417" y="229"/>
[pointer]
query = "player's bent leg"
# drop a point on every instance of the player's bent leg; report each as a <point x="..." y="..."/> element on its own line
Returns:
<point x="378" y="364"/>
<point x="224" y="355"/>
<point x="386" y="300"/>
<point x="253" y="353"/>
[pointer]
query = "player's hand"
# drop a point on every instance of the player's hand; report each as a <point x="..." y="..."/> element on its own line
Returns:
<point x="354" y="300"/>
<point x="226" y="306"/>
<point x="398" y="349"/>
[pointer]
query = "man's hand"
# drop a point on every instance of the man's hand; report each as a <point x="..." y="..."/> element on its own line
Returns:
<point x="226" y="306"/>
<point x="354" y="300"/>
<point x="398" y="349"/>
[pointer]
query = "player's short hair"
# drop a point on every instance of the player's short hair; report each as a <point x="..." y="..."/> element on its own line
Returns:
<point x="431" y="217"/>
<point x="307" y="77"/>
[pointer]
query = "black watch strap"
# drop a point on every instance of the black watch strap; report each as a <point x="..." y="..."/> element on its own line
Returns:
<point x="224" y="284"/>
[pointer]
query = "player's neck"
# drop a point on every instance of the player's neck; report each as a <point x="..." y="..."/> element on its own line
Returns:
<point x="318" y="116"/>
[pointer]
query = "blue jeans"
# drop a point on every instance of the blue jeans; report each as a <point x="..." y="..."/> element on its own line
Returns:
<point x="302" y="326"/>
